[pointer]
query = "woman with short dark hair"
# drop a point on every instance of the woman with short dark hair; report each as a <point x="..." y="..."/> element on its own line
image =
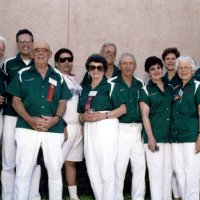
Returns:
<point x="155" y="103"/>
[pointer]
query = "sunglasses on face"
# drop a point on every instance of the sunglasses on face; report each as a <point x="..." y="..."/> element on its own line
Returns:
<point x="62" y="60"/>
<point x="98" y="68"/>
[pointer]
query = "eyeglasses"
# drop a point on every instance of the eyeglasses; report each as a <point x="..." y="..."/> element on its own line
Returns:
<point x="110" y="52"/>
<point x="93" y="68"/>
<point x="62" y="60"/>
<point x="25" y="41"/>
<point x="43" y="50"/>
<point x="184" y="68"/>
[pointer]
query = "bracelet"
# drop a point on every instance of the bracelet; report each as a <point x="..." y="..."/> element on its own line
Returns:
<point x="106" y="115"/>
<point x="58" y="117"/>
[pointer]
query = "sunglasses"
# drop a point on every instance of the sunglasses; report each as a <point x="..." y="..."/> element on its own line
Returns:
<point x="69" y="59"/>
<point x="93" y="68"/>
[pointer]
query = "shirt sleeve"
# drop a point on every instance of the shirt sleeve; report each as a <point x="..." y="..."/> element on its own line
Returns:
<point x="14" y="87"/>
<point x="143" y="96"/>
<point x="197" y="96"/>
<point x="65" y="93"/>
<point x="116" y="97"/>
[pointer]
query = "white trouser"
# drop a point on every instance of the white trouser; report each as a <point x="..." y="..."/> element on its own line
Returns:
<point x="28" y="144"/>
<point x="100" y="149"/>
<point x="1" y="123"/>
<point x="73" y="147"/>
<point x="175" y="186"/>
<point x="160" y="171"/>
<point x="9" y="163"/>
<point x="186" y="164"/>
<point x="130" y="147"/>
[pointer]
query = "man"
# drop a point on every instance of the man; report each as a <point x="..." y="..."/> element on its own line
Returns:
<point x="2" y="79"/>
<point x="130" y="145"/>
<point x="109" y="52"/>
<point x="73" y="147"/>
<point x="24" y="39"/>
<point x="39" y="97"/>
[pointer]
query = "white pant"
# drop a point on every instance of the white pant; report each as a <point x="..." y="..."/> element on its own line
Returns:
<point x="9" y="163"/>
<point x="160" y="171"/>
<point x="28" y="144"/>
<point x="73" y="147"/>
<point x="175" y="186"/>
<point x="1" y="123"/>
<point x="186" y="164"/>
<point x="100" y="148"/>
<point x="130" y="147"/>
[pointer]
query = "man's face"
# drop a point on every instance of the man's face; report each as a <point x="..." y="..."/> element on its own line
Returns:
<point x="41" y="52"/>
<point x="65" y="63"/>
<point x="109" y="53"/>
<point x="25" y="44"/>
<point x="2" y="49"/>
<point x="127" y="66"/>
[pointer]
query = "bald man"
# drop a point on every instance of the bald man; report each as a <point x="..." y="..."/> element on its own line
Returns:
<point x="39" y="98"/>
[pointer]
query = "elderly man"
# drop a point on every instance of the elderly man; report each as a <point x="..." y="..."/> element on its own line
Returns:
<point x="109" y="52"/>
<point x="24" y="39"/>
<point x="39" y="97"/>
<point x="130" y="144"/>
<point x="2" y="79"/>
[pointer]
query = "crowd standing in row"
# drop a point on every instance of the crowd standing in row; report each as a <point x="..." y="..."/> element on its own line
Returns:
<point x="112" y="111"/>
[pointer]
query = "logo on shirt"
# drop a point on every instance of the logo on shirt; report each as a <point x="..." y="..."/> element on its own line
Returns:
<point x="121" y="90"/>
<point x="153" y="94"/>
<point x="28" y="80"/>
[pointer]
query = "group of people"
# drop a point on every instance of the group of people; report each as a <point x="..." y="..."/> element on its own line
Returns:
<point x="119" y="118"/>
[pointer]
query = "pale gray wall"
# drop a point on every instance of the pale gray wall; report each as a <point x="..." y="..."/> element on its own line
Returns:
<point x="142" y="27"/>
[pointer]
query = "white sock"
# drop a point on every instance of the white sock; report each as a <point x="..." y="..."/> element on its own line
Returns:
<point x="73" y="192"/>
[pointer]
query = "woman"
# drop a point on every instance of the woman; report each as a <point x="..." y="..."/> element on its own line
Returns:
<point x="73" y="147"/>
<point x="185" y="130"/>
<point x="169" y="57"/>
<point x="99" y="106"/>
<point x="155" y="103"/>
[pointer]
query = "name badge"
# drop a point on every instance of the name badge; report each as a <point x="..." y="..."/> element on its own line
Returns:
<point x="92" y="93"/>
<point x="53" y="82"/>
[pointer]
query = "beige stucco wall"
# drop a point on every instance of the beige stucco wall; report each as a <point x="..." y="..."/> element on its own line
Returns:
<point x="142" y="27"/>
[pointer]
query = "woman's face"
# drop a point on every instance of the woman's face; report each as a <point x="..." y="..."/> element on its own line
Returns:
<point x="155" y="72"/>
<point x="96" y="70"/>
<point x="185" y="71"/>
<point x="170" y="61"/>
<point x="65" y="63"/>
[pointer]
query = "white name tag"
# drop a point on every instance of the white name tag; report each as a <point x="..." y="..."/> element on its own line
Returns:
<point x="53" y="82"/>
<point x="92" y="93"/>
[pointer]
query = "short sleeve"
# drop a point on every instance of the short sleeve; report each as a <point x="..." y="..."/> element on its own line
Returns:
<point x="143" y="96"/>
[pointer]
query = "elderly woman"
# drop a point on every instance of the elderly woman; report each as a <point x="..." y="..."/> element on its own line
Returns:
<point x="2" y="79"/>
<point x="185" y="130"/>
<point x="99" y="106"/>
<point x="73" y="147"/>
<point x="155" y="103"/>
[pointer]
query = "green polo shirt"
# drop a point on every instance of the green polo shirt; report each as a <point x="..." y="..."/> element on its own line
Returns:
<point x="87" y="79"/>
<point x="159" y="103"/>
<point x="197" y="74"/>
<point x="2" y="84"/>
<point x="175" y="81"/>
<point x="104" y="98"/>
<point x="185" y="119"/>
<point x="11" y="67"/>
<point x="130" y="97"/>
<point x="33" y="89"/>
